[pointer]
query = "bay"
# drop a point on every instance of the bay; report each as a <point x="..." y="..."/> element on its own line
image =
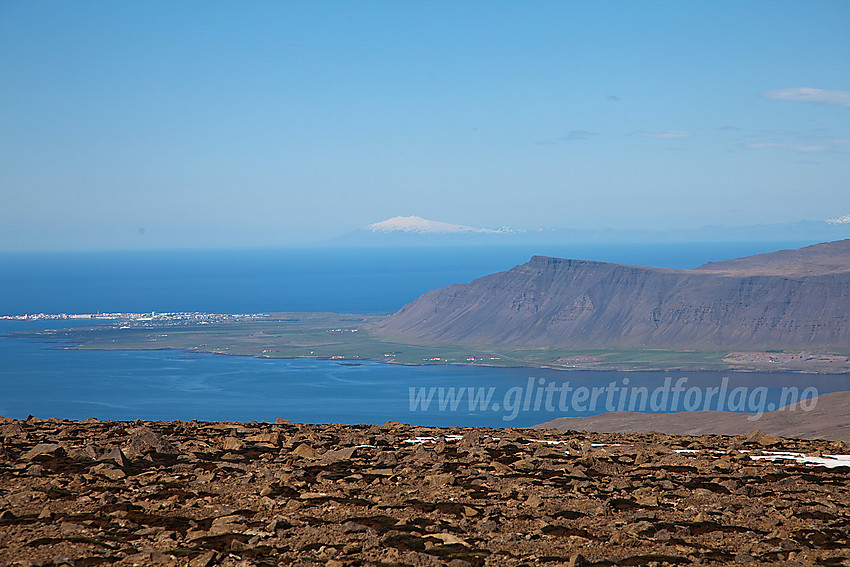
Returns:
<point x="43" y="379"/>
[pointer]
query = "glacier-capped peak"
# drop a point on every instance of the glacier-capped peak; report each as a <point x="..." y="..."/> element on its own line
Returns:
<point x="418" y="224"/>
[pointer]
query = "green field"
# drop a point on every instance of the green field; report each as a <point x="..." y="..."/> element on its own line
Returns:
<point x="348" y="337"/>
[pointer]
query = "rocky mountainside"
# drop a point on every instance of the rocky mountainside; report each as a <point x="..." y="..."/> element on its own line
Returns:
<point x="199" y="494"/>
<point x="820" y="259"/>
<point x="829" y="419"/>
<point x="790" y="299"/>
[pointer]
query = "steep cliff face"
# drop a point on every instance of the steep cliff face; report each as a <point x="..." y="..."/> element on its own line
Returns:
<point x="746" y="303"/>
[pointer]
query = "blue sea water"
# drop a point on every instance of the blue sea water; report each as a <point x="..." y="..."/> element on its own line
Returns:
<point x="42" y="379"/>
<point x="364" y="280"/>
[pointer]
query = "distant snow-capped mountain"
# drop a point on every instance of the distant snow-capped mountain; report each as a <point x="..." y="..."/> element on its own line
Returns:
<point x="416" y="231"/>
<point x="414" y="224"/>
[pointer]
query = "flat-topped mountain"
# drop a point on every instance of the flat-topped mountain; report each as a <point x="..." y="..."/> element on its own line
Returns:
<point x="787" y="299"/>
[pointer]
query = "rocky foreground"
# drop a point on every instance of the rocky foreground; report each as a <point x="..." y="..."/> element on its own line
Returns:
<point x="194" y="493"/>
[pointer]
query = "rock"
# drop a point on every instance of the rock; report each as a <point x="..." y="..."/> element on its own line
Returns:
<point x="227" y="524"/>
<point x="762" y="438"/>
<point x="334" y="456"/>
<point x="144" y="440"/>
<point x="306" y="451"/>
<point x="109" y="471"/>
<point x="386" y="458"/>
<point x="448" y="539"/>
<point x="13" y="429"/>
<point x="52" y="449"/>
<point x="439" y="479"/>
<point x="278" y="524"/>
<point x="116" y="455"/>
<point x="353" y="528"/>
<point x="425" y="560"/>
<point x="87" y="453"/>
<point x="269" y="438"/>
<point x="232" y="444"/>
<point x="649" y="500"/>
<point x="203" y="560"/>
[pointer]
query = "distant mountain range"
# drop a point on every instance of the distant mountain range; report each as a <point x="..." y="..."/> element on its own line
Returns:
<point x="417" y="231"/>
<point x="796" y="299"/>
<point x="414" y="224"/>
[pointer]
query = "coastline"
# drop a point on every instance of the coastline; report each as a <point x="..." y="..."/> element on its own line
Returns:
<point x="840" y="369"/>
<point x="347" y="337"/>
<point x="530" y="366"/>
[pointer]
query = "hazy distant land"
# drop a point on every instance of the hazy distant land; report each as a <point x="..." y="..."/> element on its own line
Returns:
<point x="412" y="230"/>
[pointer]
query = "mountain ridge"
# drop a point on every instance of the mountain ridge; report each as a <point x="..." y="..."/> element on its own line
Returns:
<point x="588" y="304"/>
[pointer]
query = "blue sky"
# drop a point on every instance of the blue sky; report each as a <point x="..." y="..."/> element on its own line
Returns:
<point x="195" y="124"/>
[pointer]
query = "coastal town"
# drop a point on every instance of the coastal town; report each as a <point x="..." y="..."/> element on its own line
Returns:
<point x="149" y="319"/>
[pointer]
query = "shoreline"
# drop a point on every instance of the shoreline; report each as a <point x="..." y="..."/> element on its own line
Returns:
<point x="415" y="364"/>
<point x="458" y="363"/>
<point x="739" y="370"/>
<point x="350" y="337"/>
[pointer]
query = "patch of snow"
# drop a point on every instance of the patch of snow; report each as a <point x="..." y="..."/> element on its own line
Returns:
<point x="830" y="461"/>
<point x="420" y="225"/>
<point x="422" y="440"/>
<point x="839" y="220"/>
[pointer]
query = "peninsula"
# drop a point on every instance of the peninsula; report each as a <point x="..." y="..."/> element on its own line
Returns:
<point x="787" y="310"/>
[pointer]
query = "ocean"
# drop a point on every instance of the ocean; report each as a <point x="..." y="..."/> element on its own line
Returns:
<point x="350" y="280"/>
<point x="41" y="378"/>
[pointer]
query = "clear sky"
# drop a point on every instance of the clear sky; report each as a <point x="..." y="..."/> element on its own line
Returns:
<point x="211" y="123"/>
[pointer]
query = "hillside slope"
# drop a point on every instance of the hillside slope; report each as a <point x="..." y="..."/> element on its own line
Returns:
<point x="828" y="419"/>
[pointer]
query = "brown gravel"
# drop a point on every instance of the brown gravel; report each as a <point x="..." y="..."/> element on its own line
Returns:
<point x="96" y="493"/>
